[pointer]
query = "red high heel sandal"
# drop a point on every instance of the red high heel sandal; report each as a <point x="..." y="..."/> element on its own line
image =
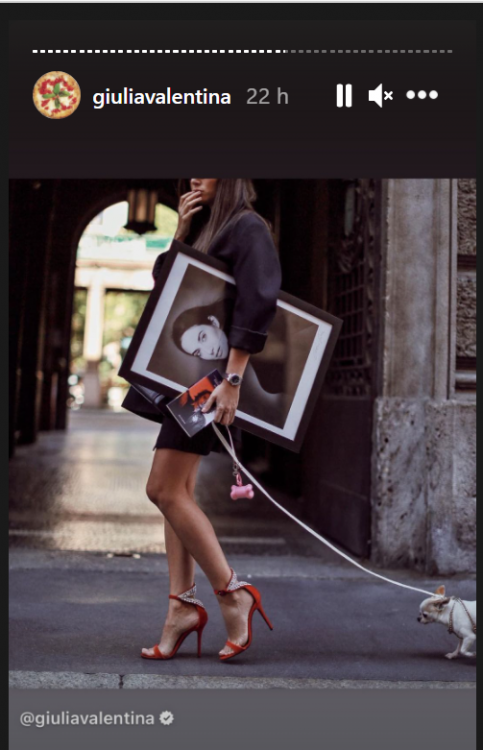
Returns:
<point x="189" y="598"/>
<point x="233" y="585"/>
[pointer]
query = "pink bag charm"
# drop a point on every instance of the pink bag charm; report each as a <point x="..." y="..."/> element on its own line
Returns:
<point x="239" y="490"/>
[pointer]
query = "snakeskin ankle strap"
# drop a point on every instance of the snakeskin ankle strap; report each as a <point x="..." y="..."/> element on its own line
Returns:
<point x="188" y="596"/>
<point x="233" y="585"/>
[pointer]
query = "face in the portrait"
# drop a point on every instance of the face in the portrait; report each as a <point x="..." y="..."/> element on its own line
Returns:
<point x="205" y="340"/>
<point x="202" y="331"/>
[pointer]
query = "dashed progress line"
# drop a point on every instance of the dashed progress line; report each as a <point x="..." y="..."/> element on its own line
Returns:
<point x="238" y="51"/>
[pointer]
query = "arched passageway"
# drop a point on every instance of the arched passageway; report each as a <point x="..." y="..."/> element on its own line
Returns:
<point x="113" y="278"/>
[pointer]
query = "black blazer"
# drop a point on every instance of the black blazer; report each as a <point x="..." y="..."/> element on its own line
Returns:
<point x="247" y="248"/>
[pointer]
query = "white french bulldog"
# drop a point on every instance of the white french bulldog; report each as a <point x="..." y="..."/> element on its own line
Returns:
<point x="458" y="615"/>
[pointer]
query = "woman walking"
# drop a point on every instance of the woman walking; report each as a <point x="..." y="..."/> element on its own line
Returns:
<point x="217" y="217"/>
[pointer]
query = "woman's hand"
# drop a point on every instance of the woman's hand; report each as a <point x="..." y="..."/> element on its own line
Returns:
<point x="226" y="397"/>
<point x="188" y="207"/>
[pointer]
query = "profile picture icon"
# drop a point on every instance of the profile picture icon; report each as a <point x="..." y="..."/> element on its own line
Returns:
<point x="56" y="95"/>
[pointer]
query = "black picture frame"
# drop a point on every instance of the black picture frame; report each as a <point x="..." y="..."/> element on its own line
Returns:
<point x="152" y="357"/>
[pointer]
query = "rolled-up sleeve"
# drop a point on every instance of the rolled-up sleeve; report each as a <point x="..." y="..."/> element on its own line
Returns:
<point x="257" y="273"/>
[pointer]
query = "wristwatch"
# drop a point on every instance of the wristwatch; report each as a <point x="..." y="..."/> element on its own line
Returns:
<point x="233" y="378"/>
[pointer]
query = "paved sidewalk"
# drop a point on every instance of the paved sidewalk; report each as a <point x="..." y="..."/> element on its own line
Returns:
<point x="82" y="619"/>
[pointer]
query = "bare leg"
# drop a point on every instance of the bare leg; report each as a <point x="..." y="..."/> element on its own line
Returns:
<point x="181" y="566"/>
<point x="168" y="489"/>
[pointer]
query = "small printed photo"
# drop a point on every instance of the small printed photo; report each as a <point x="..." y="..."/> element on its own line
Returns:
<point x="187" y="408"/>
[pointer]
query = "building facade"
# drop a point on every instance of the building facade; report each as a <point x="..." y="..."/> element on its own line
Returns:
<point x="424" y="439"/>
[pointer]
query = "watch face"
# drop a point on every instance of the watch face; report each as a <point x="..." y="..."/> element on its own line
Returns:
<point x="234" y="379"/>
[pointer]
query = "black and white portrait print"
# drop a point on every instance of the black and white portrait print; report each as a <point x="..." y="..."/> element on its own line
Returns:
<point x="187" y="335"/>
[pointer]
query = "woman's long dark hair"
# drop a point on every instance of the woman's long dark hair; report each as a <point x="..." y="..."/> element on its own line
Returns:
<point x="234" y="197"/>
<point x="195" y="316"/>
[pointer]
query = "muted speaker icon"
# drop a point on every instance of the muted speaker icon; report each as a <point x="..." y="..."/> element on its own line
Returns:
<point x="375" y="95"/>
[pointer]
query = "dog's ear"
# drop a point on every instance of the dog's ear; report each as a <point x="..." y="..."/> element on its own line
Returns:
<point x="442" y="602"/>
<point x="441" y="591"/>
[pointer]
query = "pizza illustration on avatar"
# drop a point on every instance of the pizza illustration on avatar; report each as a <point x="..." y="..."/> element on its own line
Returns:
<point x="56" y="95"/>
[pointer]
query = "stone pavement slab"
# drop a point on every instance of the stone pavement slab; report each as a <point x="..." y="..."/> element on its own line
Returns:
<point x="63" y="680"/>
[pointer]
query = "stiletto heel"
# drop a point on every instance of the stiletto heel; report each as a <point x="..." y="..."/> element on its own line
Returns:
<point x="233" y="585"/>
<point x="262" y="612"/>
<point x="190" y="598"/>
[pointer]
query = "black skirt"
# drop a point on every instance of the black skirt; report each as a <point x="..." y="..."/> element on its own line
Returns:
<point x="172" y="435"/>
<point x="206" y="440"/>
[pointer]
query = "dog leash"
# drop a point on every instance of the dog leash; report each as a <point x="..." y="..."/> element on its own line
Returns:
<point x="322" y="539"/>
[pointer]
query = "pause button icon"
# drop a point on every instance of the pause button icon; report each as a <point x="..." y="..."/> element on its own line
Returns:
<point x="344" y="95"/>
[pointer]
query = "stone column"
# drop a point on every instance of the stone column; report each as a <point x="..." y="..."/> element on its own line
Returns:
<point x="93" y="334"/>
<point x="420" y="430"/>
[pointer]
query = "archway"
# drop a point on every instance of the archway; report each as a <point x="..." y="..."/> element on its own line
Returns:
<point x="112" y="282"/>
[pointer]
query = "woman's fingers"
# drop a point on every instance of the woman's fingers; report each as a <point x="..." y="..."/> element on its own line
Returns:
<point x="224" y="416"/>
<point x="192" y="212"/>
<point x="219" y="414"/>
<point x="209" y="401"/>
<point x="185" y="210"/>
<point x="228" y="417"/>
<point x="225" y="412"/>
<point x="192" y="199"/>
<point x="187" y="197"/>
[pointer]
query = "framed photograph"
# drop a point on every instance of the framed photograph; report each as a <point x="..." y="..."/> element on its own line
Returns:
<point x="183" y="334"/>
